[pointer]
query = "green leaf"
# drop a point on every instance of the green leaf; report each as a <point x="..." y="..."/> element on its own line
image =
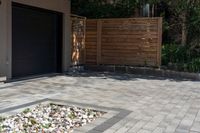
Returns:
<point x="27" y="111"/>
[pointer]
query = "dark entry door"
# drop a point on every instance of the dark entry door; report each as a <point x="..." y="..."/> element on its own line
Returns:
<point x="36" y="41"/>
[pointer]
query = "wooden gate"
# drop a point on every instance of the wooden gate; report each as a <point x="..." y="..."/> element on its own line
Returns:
<point x="78" y="40"/>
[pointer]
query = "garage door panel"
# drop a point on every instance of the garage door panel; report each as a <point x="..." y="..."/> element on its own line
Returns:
<point x="33" y="70"/>
<point x="35" y="41"/>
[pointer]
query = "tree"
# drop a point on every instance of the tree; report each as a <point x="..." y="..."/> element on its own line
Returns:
<point x="104" y="8"/>
<point x="183" y="15"/>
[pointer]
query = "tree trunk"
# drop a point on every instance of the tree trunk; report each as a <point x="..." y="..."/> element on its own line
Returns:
<point x="136" y="12"/>
<point x="184" y="29"/>
<point x="153" y="11"/>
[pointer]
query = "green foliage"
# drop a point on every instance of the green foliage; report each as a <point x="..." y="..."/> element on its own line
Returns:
<point x="27" y="111"/>
<point x="172" y="53"/>
<point x="181" y="58"/>
<point x="33" y="121"/>
<point x="46" y="126"/>
<point x="194" y="65"/>
<point x="178" y="57"/>
<point x="194" y="27"/>
<point x="103" y="9"/>
<point x="72" y="116"/>
<point x="2" y="119"/>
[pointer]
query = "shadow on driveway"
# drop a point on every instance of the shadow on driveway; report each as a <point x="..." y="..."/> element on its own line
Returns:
<point x="122" y="76"/>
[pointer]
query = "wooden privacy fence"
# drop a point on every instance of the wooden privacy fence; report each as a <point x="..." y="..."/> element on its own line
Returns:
<point x="133" y="41"/>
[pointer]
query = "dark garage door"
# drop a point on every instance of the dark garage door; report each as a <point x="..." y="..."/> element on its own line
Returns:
<point x="36" y="41"/>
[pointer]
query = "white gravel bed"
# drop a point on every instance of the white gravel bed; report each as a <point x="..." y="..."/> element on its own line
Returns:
<point x="50" y="118"/>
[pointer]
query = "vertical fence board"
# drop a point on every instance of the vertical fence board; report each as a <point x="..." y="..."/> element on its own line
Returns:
<point x="91" y="42"/>
<point x="99" y="33"/>
<point x="159" y="54"/>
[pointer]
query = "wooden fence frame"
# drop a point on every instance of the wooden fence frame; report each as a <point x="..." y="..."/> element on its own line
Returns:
<point x="99" y="37"/>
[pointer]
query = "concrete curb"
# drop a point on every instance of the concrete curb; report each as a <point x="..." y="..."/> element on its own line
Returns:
<point x="146" y="71"/>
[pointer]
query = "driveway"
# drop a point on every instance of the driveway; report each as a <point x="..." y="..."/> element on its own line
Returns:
<point x="157" y="105"/>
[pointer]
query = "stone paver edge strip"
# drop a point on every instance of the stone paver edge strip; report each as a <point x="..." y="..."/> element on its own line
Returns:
<point x="22" y="106"/>
<point x="98" y="129"/>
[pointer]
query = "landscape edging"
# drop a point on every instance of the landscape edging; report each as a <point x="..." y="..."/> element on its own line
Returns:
<point x="145" y="71"/>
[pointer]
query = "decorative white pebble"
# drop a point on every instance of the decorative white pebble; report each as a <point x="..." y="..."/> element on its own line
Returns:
<point x="49" y="118"/>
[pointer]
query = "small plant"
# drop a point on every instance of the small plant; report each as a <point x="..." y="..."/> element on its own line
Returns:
<point x="72" y="116"/>
<point x="2" y="119"/>
<point x="1" y="129"/>
<point x="27" y="111"/>
<point x="33" y="121"/>
<point x="46" y="126"/>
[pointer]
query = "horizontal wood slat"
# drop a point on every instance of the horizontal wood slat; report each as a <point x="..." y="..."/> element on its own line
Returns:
<point x="132" y="41"/>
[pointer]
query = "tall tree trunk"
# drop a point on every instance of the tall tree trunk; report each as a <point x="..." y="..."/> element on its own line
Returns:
<point x="153" y="11"/>
<point x="136" y="12"/>
<point x="184" y="29"/>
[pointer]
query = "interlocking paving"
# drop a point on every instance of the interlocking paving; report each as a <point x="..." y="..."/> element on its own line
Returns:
<point x="112" y="116"/>
<point x="157" y="105"/>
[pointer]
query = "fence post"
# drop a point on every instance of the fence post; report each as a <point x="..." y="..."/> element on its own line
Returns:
<point x="85" y="24"/>
<point x="99" y="33"/>
<point x="159" y="50"/>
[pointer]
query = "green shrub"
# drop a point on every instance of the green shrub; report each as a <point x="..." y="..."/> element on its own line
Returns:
<point x="172" y="53"/>
<point x="194" y="65"/>
<point x="180" y="58"/>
